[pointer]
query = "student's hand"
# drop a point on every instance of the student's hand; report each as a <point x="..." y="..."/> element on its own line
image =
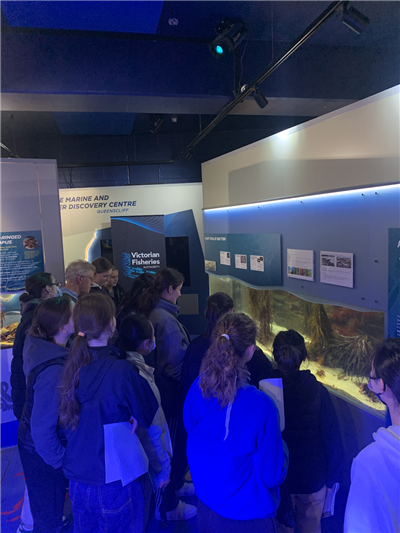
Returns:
<point x="134" y="423"/>
<point x="163" y="484"/>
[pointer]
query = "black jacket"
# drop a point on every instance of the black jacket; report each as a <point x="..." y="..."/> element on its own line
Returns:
<point x="18" y="380"/>
<point x="311" y="433"/>
<point x="110" y="390"/>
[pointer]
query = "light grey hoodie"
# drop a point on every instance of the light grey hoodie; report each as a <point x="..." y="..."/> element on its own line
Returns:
<point x="373" y="505"/>
<point x="156" y="440"/>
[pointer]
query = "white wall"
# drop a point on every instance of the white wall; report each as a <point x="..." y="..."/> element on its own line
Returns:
<point x="329" y="149"/>
<point x="79" y="225"/>
<point x="29" y="201"/>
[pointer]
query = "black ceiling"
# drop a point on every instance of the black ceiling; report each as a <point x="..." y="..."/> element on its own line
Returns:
<point x="101" y="68"/>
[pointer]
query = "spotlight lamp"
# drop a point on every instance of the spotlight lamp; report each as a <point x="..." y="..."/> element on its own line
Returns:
<point x="260" y="98"/>
<point x="230" y="35"/>
<point x="354" y="19"/>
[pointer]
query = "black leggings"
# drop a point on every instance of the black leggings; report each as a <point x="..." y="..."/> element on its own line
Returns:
<point x="46" y="489"/>
<point x="179" y="460"/>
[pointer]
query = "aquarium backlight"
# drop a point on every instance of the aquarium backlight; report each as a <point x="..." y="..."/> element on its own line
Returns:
<point x="317" y="196"/>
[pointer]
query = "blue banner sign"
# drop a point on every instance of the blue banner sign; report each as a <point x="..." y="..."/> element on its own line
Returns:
<point x="138" y="246"/>
<point x="21" y="255"/>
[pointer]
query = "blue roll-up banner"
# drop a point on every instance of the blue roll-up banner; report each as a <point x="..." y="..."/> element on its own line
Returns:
<point x="21" y="255"/>
<point x="394" y="283"/>
<point x="253" y="258"/>
<point x="138" y="246"/>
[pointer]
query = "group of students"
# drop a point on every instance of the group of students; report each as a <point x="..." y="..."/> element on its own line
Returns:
<point x="136" y="364"/>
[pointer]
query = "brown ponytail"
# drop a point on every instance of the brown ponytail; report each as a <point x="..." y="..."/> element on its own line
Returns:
<point x="164" y="279"/>
<point x="92" y="315"/>
<point x="223" y="371"/>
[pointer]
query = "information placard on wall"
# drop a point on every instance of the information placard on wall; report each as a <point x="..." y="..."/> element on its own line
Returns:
<point x="337" y="268"/>
<point x="138" y="246"/>
<point x="21" y="255"/>
<point x="252" y="258"/>
<point x="300" y="264"/>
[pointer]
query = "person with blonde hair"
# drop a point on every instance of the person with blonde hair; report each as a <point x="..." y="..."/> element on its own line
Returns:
<point x="79" y="276"/>
<point x="235" y="449"/>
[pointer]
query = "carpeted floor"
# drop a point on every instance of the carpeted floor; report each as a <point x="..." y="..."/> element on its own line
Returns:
<point x="12" y="494"/>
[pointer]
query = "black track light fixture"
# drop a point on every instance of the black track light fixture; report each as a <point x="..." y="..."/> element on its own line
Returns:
<point x="156" y="121"/>
<point x="260" y="98"/>
<point x="230" y="35"/>
<point x="354" y="19"/>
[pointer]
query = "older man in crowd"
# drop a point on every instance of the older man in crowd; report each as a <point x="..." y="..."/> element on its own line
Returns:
<point x="79" y="277"/>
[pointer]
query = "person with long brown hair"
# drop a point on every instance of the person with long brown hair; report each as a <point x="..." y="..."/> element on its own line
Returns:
<point x="40" y="442"/>
<point x="235" y="450"/>
<point x="158" y="304"/>
<point x="38" y="287"/>
<point x="129" y="303"/>
<point x="98" y="388"/>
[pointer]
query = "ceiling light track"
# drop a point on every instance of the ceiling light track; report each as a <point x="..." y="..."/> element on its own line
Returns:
<point x="307" y="33"/>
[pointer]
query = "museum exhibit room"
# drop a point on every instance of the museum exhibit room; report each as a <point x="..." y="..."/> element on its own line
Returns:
<point x="200" y="266"/>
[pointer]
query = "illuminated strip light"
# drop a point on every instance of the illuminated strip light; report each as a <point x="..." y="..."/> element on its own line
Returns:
<point x="307" y="197"/>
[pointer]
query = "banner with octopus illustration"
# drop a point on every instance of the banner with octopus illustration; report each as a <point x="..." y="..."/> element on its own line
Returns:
<point x="138" y="246"/>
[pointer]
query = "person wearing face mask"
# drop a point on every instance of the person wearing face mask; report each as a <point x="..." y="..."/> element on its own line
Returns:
<point x="136" y="334"/>
<point x="40" y="441"/>
<point x="373" y="504"/>
<point x="38" y="287"/>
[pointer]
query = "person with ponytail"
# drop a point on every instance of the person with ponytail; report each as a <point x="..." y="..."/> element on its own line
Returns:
<point x="218" y="304"/>
<point x="99" y="388"/>
<point x="374" y="498"/>
<point x="38" y="288"/>
<point x="137" y="336"/>
<point x="311" y="433"/>
<point x="158" y="304"/>
<point x="235" y="450"/>
<point x="40" y="442"/>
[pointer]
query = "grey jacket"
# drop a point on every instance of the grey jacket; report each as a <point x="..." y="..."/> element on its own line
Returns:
<point x="172" y="339"/>
<point x="156" y="439"/>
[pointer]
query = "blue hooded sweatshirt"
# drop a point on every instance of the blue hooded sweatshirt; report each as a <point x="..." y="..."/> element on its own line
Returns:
<point x="236" y="459"/>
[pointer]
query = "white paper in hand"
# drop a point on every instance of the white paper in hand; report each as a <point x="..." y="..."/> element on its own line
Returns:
<point x="273" y="387"/>
<point x="125" y="458"/>
<point x="329" y="507"/>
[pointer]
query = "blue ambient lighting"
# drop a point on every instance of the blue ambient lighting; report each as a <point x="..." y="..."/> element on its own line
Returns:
<point x="308" y="197"/>
<point x="219" y="49"/>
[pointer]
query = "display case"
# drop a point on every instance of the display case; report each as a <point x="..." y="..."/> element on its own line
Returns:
<point x="10" y="318"/>
<point x="340" y="341"/>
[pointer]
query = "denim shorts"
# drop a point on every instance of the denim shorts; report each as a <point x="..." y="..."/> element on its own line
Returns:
<point x="108" y="508"/>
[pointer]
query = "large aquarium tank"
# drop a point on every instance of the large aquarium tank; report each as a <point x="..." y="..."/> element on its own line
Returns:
<point x="340" y="341"/>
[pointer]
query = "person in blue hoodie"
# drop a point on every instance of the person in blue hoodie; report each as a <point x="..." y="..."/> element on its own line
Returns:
<point x="235" y="450"/>
<point x="39" y="439"/>
<point x="98" y="388"/>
